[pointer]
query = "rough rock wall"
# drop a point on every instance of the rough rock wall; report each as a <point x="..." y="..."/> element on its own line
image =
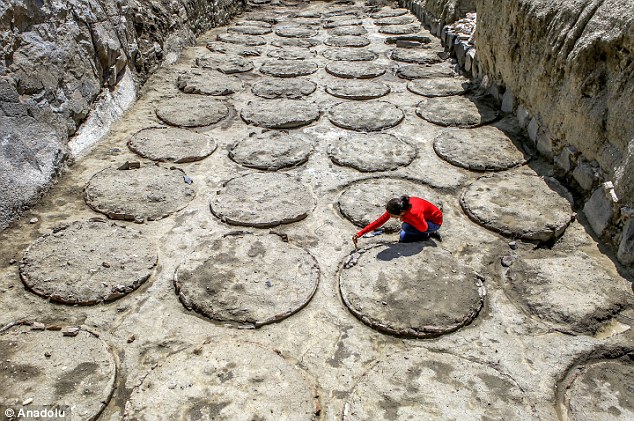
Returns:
<point x="58" y="56"/>
<point x="449" y="11"/>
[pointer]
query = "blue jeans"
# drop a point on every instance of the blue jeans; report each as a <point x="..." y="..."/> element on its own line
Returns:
<point x="409" y="234"/>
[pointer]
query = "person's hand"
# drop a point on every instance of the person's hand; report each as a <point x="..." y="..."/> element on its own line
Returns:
<point x="354" y="241"/>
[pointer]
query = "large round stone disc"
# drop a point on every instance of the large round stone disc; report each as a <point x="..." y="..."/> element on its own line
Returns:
<point x="296" y="32"/>
<point x="171" y="144"/>
<point x="400" y="29"/>
<point x="484" y="148"/>
<point x="295" y="42"/>
<point x="347" y="41"/>
<point x="227" y="64"/>
<point x="288" y="68"/>
<point x="562" y="291"/>
<point x="192" y="111"/>
<point x="415" y="56"/>
<point x="414" y="71"/>
<point x="262" y="200"/>
<point x="280" y="114"/>
<point x="249" y="40"/>
<point x="411" y="290"/>
<point x="272" y="150"/>
<point x="348" y="30"/>
<point x="395" y="20"/>
<point x="223" y="381"/>
<point x="359" y="70"/>
<point x="253" y="23"/>
<point x="88" y="263"/>
<point x="365" y="117"/>
<point x="439" y="86"/>
<point x="208" y="82"/>
<point x="422" y="385"/>
<point x="602" y="391"/>
<point x="344" y="22"/>
<point x="80" y="371"/>
<point x="292" y="54"/>
<point x="357" y="89"/>
<point x="456" y="111"/>
<point x="519" y="204"/>
<point x="364" y="201"/>
<point x="388" y="152"/>
<point x="349" y="54"/>
<point x="389" y="13"/>
<point x="272" y="88"/>
<point x="147" y="193"/>
<point x="250" y="280"/>
<point x="250" y="30"/>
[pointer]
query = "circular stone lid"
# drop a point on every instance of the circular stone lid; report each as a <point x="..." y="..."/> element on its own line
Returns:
<point x="253" y="23"/>
<point x="272" y="150"/>
<point x="77" y="370"/>
<point x="272" y="88"/>
<point x="414" y="71"/>
<point x="295" y="42"/>
<point x="296" y="32"/>
<point x="388" y="152"/>
<point x="411" y="290"/>
<point x="227" y="64"/>
<point x="349" y="54"/>
<point x="395" y="20"/>
<point x="460" y="111"/>
<point x="348" y="30"/>
<point x="485" y="148"/>
<point x="439" y="86"/>
<point x="389" y="13"/>
<point x="250" y="30"/>
<point x="292" y="54"/>
<point x="364" y="201"/>
<point x="223" y="381"/>
<point x="262" y="200"/>
<point x="344" y="22"/>
<point x="357" y="89"/>
<point x="400" y="29"/>
<point x="247" y="279"/>
<point x="280" y="113"/>
<point x="415" y="56"/>
<point x="249" y="40"/>
<point x="519" y="204"/>
<point x="171" y="144"/>
<point x="368" y="116"/>
<point x="360" y="70"/>
<point x="208" y="82"/>
<point x="192" y="111"/>
<point x="88" y="263"/>
<point x="347" y="41"/>
<point x="423" y="385"/>
<point x="288" y="68"/>
<point x="147" y="193"/>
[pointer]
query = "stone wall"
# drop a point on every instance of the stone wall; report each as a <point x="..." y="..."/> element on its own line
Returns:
<point x="59" y="59"/>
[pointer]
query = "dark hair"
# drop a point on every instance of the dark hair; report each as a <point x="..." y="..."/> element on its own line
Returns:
<point x="398" y="205"/>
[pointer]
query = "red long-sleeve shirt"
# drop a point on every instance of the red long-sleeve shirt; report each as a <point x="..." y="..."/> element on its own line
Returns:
<point x="417" y="216"/>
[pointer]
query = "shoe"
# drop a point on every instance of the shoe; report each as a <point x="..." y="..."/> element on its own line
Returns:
<point x="436" y="235"/>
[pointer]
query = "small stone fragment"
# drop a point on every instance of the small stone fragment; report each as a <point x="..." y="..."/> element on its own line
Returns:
<point x="507" y="261"/>
<point x="131" y="339"/>
<point x="513" y="245"/>
<point x="33" y="221"/>
<point x="70" y="331"/>
<point x="38" y="326"/>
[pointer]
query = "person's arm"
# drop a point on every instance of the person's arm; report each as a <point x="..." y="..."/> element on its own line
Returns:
<point x="376" y="224"/>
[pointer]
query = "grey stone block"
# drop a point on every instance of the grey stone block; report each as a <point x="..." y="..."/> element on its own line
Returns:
<point x="625" y="252"/>
<point x="566" y="159"/>
<point x="523" y="117"/>
<point x="532" y="128"/>
<point x="601" y="207"/>
<point x="508" y="101"/>
<point x="470" y="59"/>
<point x="544" y="143"/>
<point x="586" y="175"/>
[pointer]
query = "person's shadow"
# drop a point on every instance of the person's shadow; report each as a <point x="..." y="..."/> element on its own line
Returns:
<point x="396" y="250"/>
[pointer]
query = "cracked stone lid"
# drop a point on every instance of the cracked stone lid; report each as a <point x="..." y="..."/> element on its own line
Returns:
<point x="295" y="42"/>
<point x="347" y="41"/>
<point x="574" y="293"/>
<point x="56" y="370"/>
<point x="395" y="20"/>
<point x="485" y="148"/>
<point x="439" y="86"/>
<point x="366" y="116"/>
<point x="292" y="54"/>
<point x="171" y="144"/>
<point x="280" y="113"/>
<point x="410" y="55"/>
<point x="348" y="30"/>
<point x="364" y="201"/>
<point x="389" y="13"/>
<point x="294" y="88"/>
<point x="400" y="29"/>
<point x="88" y="263"/>
<point x="349" y="54"/>
<point x="208" y="82"/>
<point x="357" y="89"/>
<point x="458" y="111"/>
<point x="272" y="150"/>
<point x="600" y="390"/>
<point x="227" y="64"/>
<point x="411" y="289"/>
<point x="147" y="193"/>
<point x="192" y="111"/>
<point x="388" y="152"/>
<point x="288" y="68"/>
<point x="415" y="71"/>
<point x="262" y="200"/>
<point x="296" y="32"/>
<point x="250" y="30"/>
<point x="224" y="381"/>
<point x="246" y="279"/>
<point x="248" y="40"/>
<point x="355" y="70"/>
<point x="425" y="385"/>
<point x="519" y="204"/>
